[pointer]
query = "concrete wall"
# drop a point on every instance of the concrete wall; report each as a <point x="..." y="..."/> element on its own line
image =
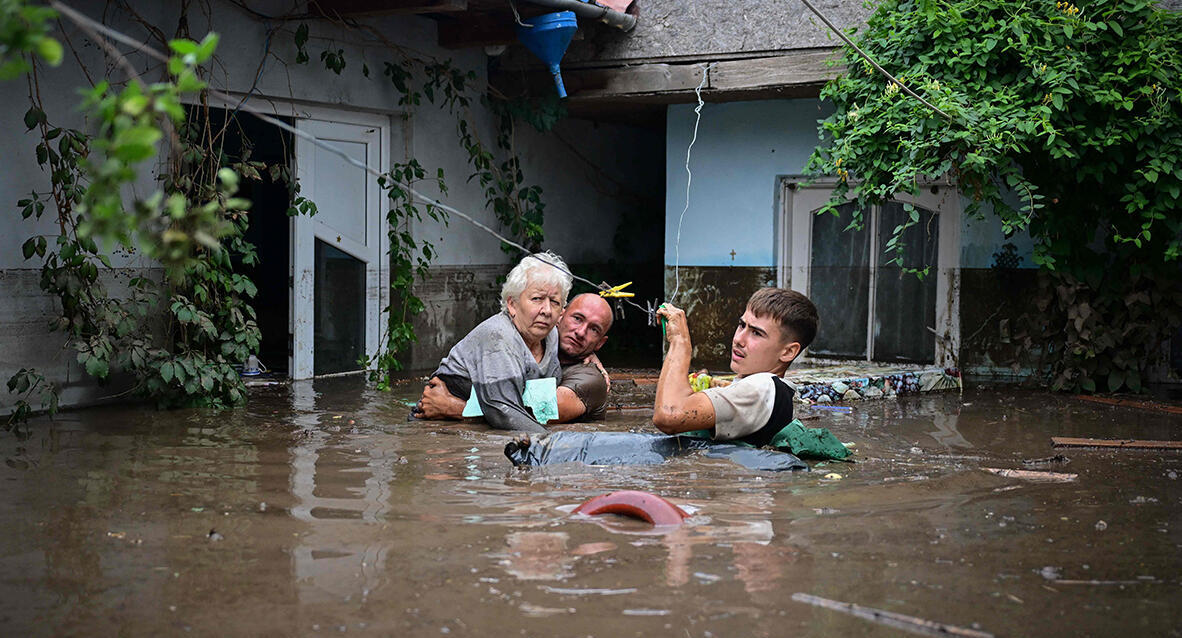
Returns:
<point x="742" y="149"/>
<point x="584" y="208"/>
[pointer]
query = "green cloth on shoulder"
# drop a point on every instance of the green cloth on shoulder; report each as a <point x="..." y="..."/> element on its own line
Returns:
<point x="809" y="442"/>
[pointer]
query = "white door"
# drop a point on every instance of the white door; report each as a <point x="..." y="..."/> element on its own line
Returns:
<point x="339" y="281"/>
<point x="871" y="309"/>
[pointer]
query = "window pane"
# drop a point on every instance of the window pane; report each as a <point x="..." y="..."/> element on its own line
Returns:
<point x="904" y="305"/>
<point x="339" y="317"/>
<point x="839" y="284"/>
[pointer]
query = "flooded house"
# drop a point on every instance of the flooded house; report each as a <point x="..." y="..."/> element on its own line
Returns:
<point x="324" y="280"/>
<point x="676" y="159"/>
<point x="737" y="86"/>
<point x="676" y="162"/>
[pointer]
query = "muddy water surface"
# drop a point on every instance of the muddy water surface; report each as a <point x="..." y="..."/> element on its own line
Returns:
<point x="318" y="509"/>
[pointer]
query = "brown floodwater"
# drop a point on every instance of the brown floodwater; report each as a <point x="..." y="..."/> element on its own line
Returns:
<point x="318" y="509"/>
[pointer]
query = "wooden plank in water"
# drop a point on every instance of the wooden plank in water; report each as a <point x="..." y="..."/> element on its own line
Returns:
<point x="1132" y="403"/>
<point x="891" y="619"/>
<point x="1133" y="444"/>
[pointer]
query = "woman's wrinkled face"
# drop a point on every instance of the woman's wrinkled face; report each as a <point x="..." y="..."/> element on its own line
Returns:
<point x="536" y="311"/>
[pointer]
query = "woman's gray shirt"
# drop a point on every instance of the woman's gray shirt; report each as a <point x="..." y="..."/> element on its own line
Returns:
<point x="494" y="360"/>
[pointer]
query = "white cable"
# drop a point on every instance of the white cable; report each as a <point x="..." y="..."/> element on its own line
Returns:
<point x="80" y="18"/>
<point x="689" y="180"/>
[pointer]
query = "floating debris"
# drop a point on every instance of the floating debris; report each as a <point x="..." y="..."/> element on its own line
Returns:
<point x="1030" y="475"/>
<point x="890" y="618"/>
<point x="1057" y="459"/>
<point x="587" y="592"/>
<point x="1051" y="573"/>
<point x="1133" y="444"/>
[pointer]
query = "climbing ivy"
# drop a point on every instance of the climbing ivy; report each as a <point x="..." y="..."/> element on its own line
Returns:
<point x="177" y="336"/>
<point x="1072" y="107"/>
<point x="408" y="260"/>
<point x="24" y="34"/>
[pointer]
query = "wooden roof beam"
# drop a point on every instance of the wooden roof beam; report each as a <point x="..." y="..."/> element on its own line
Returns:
<point x="796" y="73"/>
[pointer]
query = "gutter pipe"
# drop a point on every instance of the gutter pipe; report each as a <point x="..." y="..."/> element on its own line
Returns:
<point x="593" y="11"/>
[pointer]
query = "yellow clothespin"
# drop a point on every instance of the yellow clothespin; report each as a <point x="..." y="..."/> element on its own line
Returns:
<point x="615" y="291"/>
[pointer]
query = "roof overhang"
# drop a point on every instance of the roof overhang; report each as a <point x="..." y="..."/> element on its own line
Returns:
<point x="656" y="83"/>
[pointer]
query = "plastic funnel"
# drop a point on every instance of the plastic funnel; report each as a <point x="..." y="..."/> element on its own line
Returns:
<point x="548" y="38"/>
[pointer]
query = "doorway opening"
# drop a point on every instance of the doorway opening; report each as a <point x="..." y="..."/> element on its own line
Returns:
<point x="269" y="228"/>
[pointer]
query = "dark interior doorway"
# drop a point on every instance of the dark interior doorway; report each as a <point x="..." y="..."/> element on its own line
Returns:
<point x="269" y="229"/>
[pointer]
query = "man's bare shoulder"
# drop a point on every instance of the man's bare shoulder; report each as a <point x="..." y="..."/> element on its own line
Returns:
<point x="587" y="382"/>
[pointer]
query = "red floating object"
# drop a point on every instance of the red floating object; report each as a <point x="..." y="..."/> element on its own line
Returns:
<point x="637" y="504"/>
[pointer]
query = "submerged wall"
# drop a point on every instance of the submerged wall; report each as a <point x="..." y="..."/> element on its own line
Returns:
<point x="590" y="187"/>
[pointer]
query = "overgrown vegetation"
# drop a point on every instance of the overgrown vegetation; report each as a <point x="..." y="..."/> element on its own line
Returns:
<point x="177" y="337"/>
<point x="181" y="336"/>
<point x="1072" y="107"/>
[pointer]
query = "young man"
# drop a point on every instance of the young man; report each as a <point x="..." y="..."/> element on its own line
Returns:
<point x="777" y="325"/>
<point x="582" y="391"/>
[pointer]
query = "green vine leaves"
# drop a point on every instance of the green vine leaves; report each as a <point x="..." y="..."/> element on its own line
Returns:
<point x="131" y="123"/>
<point x="1051" y="102"/>
<point x="179" y="337"/>
<point x="409" y="260"/>
<point x="24" y="29"/>
<point x="1072" y="111"/>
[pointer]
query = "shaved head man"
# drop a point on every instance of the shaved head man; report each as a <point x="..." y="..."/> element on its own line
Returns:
<point x="582" y="330"/>
<point x="582" y="391"/>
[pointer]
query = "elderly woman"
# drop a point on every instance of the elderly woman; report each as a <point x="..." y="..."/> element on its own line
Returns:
<point x="513" y="346"/>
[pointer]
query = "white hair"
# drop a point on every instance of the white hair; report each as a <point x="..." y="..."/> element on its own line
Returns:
<point x="540" y="268"/>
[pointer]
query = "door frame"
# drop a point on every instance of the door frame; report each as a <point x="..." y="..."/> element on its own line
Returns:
<point x="304" y="231"/>
<point x="387" y="121"/>
<point x="800" y="196"/>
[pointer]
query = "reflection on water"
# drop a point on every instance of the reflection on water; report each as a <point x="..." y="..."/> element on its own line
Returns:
<point x="946" y="434"/>
<point x="319" y="508"/>
<point x="337" y="479"/>
<point x="538" y="555"/>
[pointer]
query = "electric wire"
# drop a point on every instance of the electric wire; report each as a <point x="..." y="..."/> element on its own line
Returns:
<point x="865" y="56"/>
<point x="84" y="20"/>
<point x="689" y="179"/>
<point x="142" y="47"/>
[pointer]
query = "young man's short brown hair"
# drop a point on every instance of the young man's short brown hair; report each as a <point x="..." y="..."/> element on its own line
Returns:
<point x="794" y="312"/>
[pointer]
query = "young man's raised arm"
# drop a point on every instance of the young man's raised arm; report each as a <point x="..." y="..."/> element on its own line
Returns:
<point x="678" y="408"/>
